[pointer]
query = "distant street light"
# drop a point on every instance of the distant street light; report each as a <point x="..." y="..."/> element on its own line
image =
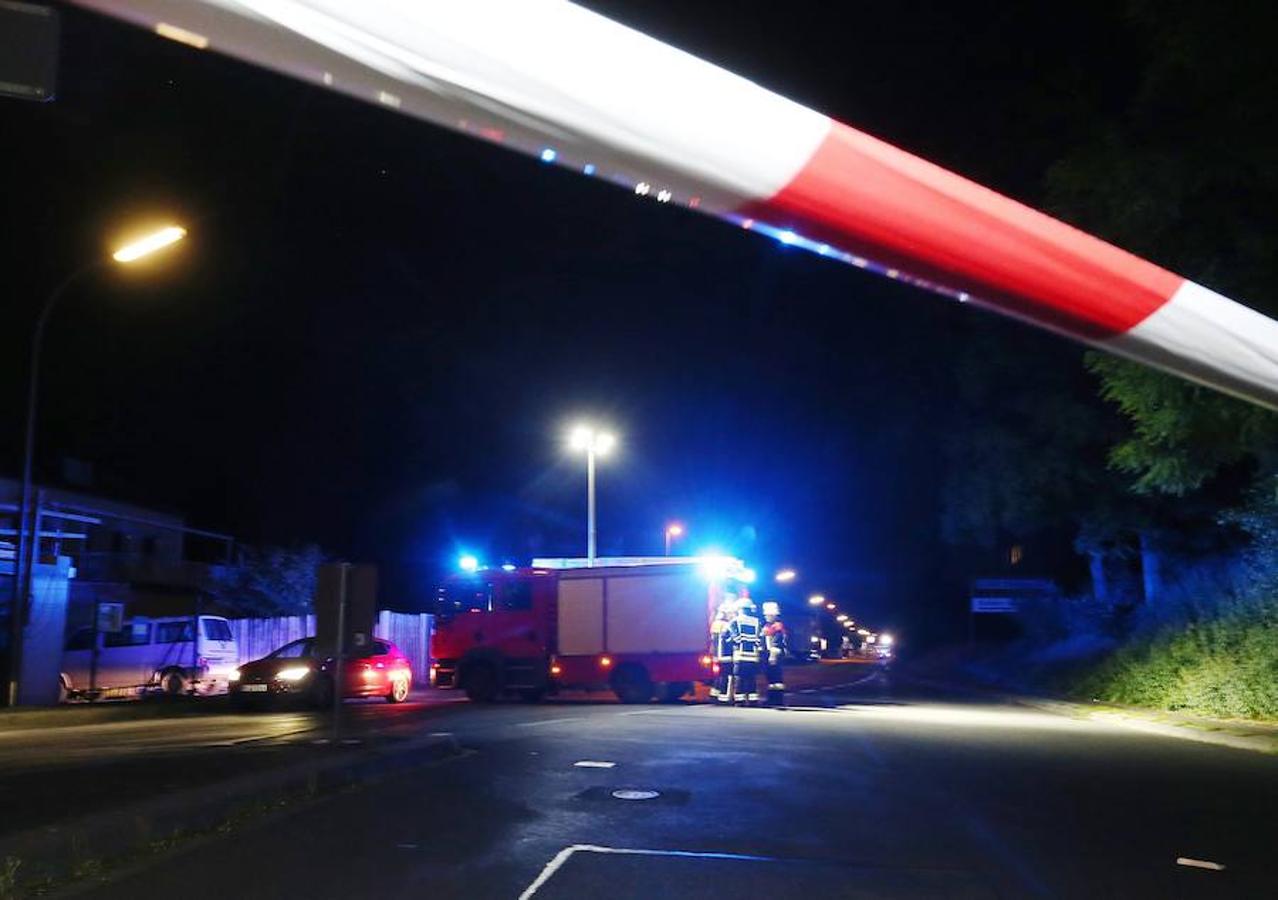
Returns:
<point x="27" y="542"/>
<point x="841" y="617"/>
<point x="785" y="576"/>
<point x="831" y="607"/>
<point x="594" y="443"/>
<point x="816" y="600"/>
<point x="673" y="530"/>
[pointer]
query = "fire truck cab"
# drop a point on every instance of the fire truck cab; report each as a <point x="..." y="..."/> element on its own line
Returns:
<point x="637" y="626"/>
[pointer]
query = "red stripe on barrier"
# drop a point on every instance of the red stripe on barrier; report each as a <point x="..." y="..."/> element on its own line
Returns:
<point x="868" y="198"/>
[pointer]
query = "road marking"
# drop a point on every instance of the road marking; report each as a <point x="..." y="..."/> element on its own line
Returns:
<point x="547" y="722"/>
<point x="556" y="863"/>
<point x="1199" y="863"/>
<point x="593" y="764"/>
<point x="406" y="846"/>
<point x="440" y="734"/>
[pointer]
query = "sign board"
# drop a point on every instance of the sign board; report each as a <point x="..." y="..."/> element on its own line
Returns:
<point x="110" y="617"/>
<point x="993" y="605"/>
<point x="361" y="605"/>
<point x="28" y="50"/>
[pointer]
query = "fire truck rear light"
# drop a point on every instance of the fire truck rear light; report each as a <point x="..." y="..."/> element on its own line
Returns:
<point x="715" y="668"/>
<point x="556" y="670"/>
<point x="605" y="661"/>
<point x="706" y="661"/>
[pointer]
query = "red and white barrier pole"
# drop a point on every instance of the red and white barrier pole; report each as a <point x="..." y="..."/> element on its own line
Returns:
<point x="576" y="89"/>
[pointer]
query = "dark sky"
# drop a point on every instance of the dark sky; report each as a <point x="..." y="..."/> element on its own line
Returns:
<point x="378" y="331"/>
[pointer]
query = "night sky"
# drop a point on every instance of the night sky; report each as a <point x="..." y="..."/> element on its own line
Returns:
<point x="378" y="332"/>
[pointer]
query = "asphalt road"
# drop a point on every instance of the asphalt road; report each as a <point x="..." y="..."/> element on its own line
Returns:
<point x="883" y="789"/>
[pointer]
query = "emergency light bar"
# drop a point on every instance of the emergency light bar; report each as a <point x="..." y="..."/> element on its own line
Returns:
<point x="575" y="89"/>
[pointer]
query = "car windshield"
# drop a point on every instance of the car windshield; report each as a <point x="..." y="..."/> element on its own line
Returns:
<point x="295" y="650"/>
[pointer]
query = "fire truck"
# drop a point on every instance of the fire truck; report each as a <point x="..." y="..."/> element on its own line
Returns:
<point x="637" y="626"/>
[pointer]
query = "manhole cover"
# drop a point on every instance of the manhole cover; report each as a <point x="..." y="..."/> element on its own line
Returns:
<point x="627" y="794"/>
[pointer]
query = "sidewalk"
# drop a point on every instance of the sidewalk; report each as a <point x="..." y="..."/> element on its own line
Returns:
<point x="1240" y="734"/>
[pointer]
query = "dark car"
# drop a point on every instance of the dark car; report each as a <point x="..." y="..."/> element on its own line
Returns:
<point x="298" y="670"/>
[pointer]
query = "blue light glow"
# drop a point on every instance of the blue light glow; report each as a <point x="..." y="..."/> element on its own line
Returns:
<point x="548" y="154"/>
<point x="588" y="168"/>
<point x="788" y="237"/>
<point x="508" y="567"/>
<point x="468" y="563"/>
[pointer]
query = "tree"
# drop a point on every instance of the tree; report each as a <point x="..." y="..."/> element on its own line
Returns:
<point x="270" y="582"/>
<point x="1184" y="175"/>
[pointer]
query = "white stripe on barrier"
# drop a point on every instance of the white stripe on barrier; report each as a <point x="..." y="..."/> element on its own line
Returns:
<point x="1206" y="337"/>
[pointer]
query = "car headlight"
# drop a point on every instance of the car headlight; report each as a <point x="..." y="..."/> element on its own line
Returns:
<point x="233" y="675"/>
<point x="296" y="673"/>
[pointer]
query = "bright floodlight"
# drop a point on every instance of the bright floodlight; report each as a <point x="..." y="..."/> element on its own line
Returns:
<point x="584" y="437"/>
<point x="149" y="244"/>
<point x="885" y="640"/>
<point x="817" y="600"/>
<point x="746" y="575"/>
<point x="674" y="530"/>
<point x="468" y="563"/>
<point x="786" y="575"/>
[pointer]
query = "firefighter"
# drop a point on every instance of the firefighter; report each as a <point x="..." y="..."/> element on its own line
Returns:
<point x="776" y="644"/>
<point x="744" y="633"/>
<point x="721" y="647"/>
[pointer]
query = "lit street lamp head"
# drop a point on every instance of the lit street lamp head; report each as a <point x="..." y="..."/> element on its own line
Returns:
<point x="584" y="437"/>
<point x="674" y="530"/>
<point x="786" y="575"/>
<point x="149" y="244"/>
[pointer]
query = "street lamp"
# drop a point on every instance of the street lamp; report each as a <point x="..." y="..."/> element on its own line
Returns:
<point x="673" y="530"/>
<point x="817" y="600"/>
<point x="594" y="443"/>
<point x="785" y="576"/>
<point x="27" y="543"/>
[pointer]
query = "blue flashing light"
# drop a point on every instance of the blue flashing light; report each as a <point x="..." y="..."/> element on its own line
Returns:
<point x="468" y="563"/>
<point x="508" y="567"/>
<point x="548" y="154"/>
<point x="588" y="168"/>
<point x="746" y="575"/>
<point x="788" y="237"/>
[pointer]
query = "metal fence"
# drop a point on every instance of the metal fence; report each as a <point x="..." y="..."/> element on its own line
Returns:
<point x="409" y="631"/>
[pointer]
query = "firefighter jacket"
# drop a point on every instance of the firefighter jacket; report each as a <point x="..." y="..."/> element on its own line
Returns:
<point x="721" y="640"/>
<point x="776" y="642"/>
<point x="744" y="634"/>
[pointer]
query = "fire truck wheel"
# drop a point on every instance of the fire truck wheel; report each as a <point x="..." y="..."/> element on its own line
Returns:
<point x="631" y="684"/>
<point x="480" y="681"/>
<point x="673" y="691"/>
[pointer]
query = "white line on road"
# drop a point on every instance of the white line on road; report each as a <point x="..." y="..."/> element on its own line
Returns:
<point x="593" y="764"/>
<point x="1199" y="863"/>
<point x="547" y="722"/>
<point x="562" y="856"/>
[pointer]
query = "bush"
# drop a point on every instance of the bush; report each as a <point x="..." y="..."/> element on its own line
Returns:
<point x="1226" y="665"/>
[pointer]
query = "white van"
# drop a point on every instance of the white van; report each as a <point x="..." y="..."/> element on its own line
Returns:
<point x="165" y="654"/>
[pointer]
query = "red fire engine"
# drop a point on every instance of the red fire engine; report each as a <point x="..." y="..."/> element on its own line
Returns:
<point x="638" y="626"/>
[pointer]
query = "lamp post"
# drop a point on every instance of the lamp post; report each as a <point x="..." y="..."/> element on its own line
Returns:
<point x="673" y="530"/>
<point x="595" y="443"/>
<point x="28" y="543"/>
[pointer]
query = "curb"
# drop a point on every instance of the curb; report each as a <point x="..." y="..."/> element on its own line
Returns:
<point x="67" y="850"/>
<point x="1204" y="730"/>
